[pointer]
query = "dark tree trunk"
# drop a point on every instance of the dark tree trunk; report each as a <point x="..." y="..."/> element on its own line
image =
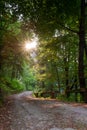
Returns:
<point x="81" y="51"/>
<point x="57" y="75"/>
<point x="1" y="59"/>
<point x="67" y="78"/>
<point x="76" y="87"/>
<point x="1" y="95"/>
<point x="14" y="69"/>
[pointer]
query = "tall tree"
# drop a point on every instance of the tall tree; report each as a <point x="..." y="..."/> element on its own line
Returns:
<point x="82" y="48"/>
<point x="47" y="16"/>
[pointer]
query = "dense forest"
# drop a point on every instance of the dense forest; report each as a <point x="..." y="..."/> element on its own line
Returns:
<point x="57" y="66"/>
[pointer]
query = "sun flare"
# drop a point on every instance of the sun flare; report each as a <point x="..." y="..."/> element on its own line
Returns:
<point x="30" y="45"/>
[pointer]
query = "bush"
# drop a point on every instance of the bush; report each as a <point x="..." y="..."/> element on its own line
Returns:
<point x="5" y="85"/>
<point x="62" y="97"/>
<point x="8" y="87"/>
<point x="17" y="86"/>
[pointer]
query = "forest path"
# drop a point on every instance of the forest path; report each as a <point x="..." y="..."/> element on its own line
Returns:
<point x="24" y="112"/>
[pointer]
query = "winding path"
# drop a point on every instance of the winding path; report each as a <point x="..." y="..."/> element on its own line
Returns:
<point x="29" y="113"/>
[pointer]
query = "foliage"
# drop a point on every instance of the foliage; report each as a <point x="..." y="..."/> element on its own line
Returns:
<point x="62" y="97"/>
<point x="28" y="77"/>
<point x="7" y="86"/>
<point x="62" y="51"/>
<point x="54" y="57"/>
<point x="17" y="86"/>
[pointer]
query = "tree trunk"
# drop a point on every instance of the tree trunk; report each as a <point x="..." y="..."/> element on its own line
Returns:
<point x="1" y="95"/>
<point x="81" y="51"/>
<point x="67" y="78"/>
<point x="1" y="47"/>
<point x="76" y="87"/>
<point x="58" y="79"/>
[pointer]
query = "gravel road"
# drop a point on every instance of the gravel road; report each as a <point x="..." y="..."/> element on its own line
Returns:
<point x="29" y="113"/>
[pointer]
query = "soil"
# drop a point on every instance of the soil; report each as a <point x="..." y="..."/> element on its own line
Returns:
<point x="25" y="112"/>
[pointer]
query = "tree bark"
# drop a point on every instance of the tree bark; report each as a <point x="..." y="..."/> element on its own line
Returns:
<point x="57" y="76"/>
<point x="81" y="51"/>
<point x="1" y="95"/>
<point x="67" y="78"/>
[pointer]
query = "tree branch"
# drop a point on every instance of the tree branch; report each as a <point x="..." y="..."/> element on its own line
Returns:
<point x="69" y="29"/>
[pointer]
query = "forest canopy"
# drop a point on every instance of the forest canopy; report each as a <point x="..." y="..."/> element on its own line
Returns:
<point x="59" y="64"/>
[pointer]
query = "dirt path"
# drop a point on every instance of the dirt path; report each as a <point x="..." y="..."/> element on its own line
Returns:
<point x="24" y="112"/>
